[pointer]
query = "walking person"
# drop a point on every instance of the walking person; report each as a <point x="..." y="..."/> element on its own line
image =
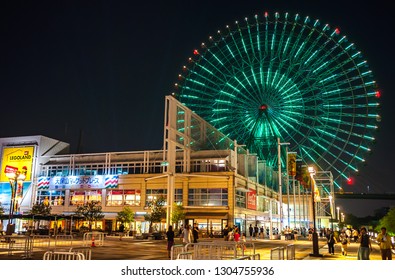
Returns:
<point x="343" y="238"/>
<point x="365" y="246"/>
<point x="237" y="235"/>
<point x="331" y="242"/>
<point x="385" y="243"/>
<point x="195" y="233"/>
<point x="226" y="233"/>
<point x="256" y="231"/>
<point x="170" y="240"/>
<point x="187" y="235"/>
<point x="251" y="230"/>
<point x="121" y="231"/>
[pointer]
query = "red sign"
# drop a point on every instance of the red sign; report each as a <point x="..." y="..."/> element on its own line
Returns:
<point x="251" y="199"/>
<point x="10" y="169"/>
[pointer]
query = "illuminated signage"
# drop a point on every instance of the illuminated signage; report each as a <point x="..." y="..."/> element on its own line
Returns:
<point x="17" y="159"/>
<point x="78" y="182"/>
<point x="251" y="199"/>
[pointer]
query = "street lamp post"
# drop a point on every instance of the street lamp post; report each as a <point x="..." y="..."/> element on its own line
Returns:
<point x="316" y="252"/>
<point x="279" y="144"/>
<point x="15" y="178"/>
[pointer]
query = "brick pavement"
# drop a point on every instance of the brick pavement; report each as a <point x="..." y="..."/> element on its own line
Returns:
<point x="132" y="249"/>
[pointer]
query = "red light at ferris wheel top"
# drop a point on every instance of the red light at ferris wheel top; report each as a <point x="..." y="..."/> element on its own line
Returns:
<point x="350" y="181"/>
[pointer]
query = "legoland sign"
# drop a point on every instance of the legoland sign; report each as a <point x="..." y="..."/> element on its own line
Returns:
<point x="17" y="159"/>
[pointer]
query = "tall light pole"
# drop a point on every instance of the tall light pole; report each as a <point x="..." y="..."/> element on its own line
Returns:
<point x="316" y="252"/>
<point x="280" y="193"/>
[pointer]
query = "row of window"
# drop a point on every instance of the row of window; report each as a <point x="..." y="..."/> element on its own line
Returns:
<point x="128" y="168"/>
<point x="196" y="197"/>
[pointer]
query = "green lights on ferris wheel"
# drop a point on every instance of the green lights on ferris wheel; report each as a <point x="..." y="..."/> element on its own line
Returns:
<point x="318" y="90"/>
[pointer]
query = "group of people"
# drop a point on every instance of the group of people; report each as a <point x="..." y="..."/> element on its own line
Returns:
<point x="186" y="234"/>
<point x="365" y="244"/>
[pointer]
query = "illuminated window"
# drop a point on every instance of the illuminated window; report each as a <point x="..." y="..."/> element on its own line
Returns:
<point x="81" y="197"/>
<point x="123" y="197"/>
<point x="208" y="197"/>
<point x="54" y="198"/>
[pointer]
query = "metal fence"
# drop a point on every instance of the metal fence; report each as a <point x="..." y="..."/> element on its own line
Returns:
<point x="64" y="241"/>
<point x="93" y="239"/>
<point x="16" y="244"/>
<point x="61" y="255"/>
<point x="290" y="252"/>
<point x="278" y="253"/>
<point x="219" y="250"/>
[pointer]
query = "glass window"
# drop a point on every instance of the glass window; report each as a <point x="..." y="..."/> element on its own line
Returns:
<point x="53" y="198"/>
<point x="208" y="197"/>
<point x="81" y="197"/>
<point x="123" y="197"/>
<point x="240" y="199"/>
<point x="154" y="194"/>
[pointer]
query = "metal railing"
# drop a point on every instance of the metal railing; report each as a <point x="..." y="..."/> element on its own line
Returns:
<point x="93" y="239"/>
<point x="61" y="255"/>
<point x="277" y="253"/>
<point x="17" y="244"/>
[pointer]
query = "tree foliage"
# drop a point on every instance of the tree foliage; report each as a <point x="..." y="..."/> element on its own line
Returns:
<point x="126" y="215"/>
<point x="388" y="221"/>
<point x="41" y="209"/>
<point x="91" y="211"/>
<point x="157" y="212"/>
<point x="178" y="214"/>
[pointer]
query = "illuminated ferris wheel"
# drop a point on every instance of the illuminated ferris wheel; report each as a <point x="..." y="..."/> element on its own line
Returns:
<point x="290" y="78"/>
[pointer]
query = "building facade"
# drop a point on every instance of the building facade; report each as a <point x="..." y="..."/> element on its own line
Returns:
<point x="216" y="181"/>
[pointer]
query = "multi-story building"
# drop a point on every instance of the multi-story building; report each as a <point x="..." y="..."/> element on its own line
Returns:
<point x="215" y="180"/>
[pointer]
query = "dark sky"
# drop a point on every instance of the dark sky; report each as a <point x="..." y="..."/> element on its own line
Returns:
<point x="103" y="68"/>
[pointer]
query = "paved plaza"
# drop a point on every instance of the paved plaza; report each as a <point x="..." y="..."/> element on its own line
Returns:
<point x="131" y="249"/>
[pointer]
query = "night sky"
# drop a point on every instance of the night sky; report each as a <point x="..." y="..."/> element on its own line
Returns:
<point x="99" y="70"/>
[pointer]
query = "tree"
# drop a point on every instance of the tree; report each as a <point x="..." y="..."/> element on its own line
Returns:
<point x="126" y="215"/>
<point x="91" y="211"/>
<point x="1" y="209"/>
<point x="41" y="209"/>
<point x="178" y="214"/>
<point x="157" y="212"/>
<point x="388" y="221"/>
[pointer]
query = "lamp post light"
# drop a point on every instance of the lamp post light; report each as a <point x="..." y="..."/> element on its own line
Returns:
<point x="330" y="209"/>
<point x="315" y="234"/>
<point x="280" y="194"/>
<point x="16" y="179"/>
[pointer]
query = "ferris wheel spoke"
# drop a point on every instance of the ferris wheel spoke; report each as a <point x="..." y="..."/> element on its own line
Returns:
<point x="291" y="78"/>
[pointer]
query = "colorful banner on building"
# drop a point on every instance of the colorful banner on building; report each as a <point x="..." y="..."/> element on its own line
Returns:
<point x="317" y="196"/>
<point x="78" y="182"/>
<point x="291" y="159"/>
<point x="251" y="199"/>
<point x="17" y="159"/>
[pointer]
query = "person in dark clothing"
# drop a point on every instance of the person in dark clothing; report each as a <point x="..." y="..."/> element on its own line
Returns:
<point x="331" y="242"/>
<point x="365" y="245"/>
<point x="195" y="233"/>
<point x="256" y="231"/>
<point x="121" y="231"/>
<point x="170" y="240"/>
<point x="251" y="230"/>
<point x="226" y="232"/>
